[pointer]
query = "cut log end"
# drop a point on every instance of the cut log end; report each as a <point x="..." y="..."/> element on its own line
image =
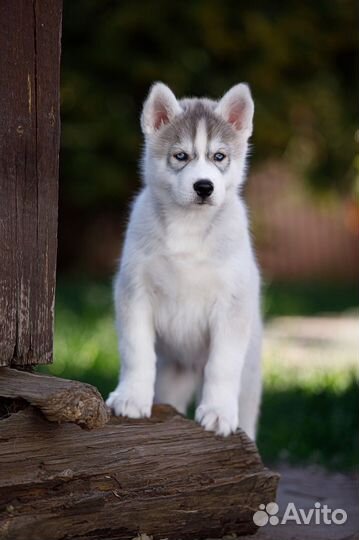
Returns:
<point x="80" y="404"/>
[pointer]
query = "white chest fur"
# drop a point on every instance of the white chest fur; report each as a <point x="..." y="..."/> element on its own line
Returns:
<point x="185" y="277"/>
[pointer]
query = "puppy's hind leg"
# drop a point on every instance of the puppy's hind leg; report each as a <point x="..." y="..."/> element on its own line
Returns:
<point x="175" y="385"/>
<point x="251" y="388"/>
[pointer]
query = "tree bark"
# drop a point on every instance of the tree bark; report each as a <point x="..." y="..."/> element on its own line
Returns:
<point x="29" y="147"/>
<point x="165" y="477"/>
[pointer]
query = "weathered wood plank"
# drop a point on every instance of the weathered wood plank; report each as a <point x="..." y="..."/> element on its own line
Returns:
<point x="29" y="147"/>
<point x="164" y="476"/>
<point x="60" y="400"/>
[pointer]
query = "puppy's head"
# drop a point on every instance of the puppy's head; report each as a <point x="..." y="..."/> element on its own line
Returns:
<point x="195" y="149"/>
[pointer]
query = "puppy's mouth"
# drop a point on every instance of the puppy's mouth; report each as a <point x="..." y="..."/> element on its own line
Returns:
<point x="202" y="202"/>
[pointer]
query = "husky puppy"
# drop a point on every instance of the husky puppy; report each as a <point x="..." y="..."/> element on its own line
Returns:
<point x="187" y="290"/>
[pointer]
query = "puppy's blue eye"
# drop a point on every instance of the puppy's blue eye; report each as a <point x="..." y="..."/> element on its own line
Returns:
<point x="218" y="156"/>
<point x="181" y="156"/>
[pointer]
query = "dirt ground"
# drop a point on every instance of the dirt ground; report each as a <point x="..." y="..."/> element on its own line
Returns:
<point x="306" y="486"/>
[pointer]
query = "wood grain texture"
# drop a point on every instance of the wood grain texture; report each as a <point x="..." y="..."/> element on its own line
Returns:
<point x="60" y="400"/>
<point x="29" y="148"/>
<point x="164" y="476"/>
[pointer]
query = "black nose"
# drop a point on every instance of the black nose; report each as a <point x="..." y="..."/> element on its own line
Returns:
<point x="203" y="188"/>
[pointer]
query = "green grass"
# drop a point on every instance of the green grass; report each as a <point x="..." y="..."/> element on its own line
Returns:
<point x="85" y="337"/>
<point x="310" y="417"/>
<point x="312" y="420"/>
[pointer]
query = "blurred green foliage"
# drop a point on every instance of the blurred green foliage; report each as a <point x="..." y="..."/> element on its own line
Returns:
<point x="298" y="58"/>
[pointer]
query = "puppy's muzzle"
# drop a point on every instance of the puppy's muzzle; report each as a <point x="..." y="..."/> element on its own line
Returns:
<point x="203" y="188"/>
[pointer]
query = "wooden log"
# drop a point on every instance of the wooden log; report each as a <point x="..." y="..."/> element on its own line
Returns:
<point x="165" y="477"/>
<point x="60" y="400"/>
<point x="30" y="136"/>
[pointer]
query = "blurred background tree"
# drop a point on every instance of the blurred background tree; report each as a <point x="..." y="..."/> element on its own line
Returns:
<point x="298" y="58"/>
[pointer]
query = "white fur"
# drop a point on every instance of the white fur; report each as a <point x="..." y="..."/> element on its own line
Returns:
<point x="187" y="291"/>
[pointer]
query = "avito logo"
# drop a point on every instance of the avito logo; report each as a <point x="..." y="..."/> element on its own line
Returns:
<point x="317" y="515"/>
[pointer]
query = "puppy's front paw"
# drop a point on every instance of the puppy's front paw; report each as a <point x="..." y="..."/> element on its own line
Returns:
<point x="128" y="402"/>
<point x="223" y="420"/>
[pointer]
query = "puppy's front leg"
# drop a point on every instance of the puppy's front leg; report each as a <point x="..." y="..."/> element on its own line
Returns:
<point x="134" y="394"/>
<point x="218" y="409"/>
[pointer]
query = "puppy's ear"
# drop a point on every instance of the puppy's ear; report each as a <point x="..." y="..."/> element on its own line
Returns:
<point x="160" y="107"/>
<point x="237" y="108"/>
